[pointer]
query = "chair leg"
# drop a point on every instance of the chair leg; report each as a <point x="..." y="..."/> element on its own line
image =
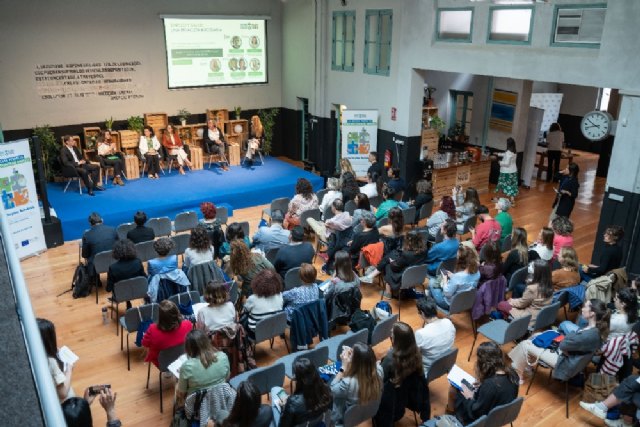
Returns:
<point x="148" y="373"/>
<point x="117" y="317"/>
<point x="128" y="355"/>
<point x="566" y="397"/>
<point x="97" y="279"/>
<point x="67" y="186"/>
<point x="473" y="325"/>
<point x="399" y="301"/>
<point x="475" y="337"/>
<point x="533" y="376"/>
<point x="122" y="338"/>
<point x="286" y="344"/>
<point x="564" y="307"/>
<point x="160" y="375"/>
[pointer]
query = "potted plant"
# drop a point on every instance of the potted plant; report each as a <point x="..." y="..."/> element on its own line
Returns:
<point x="238" y="110"/>
<point x="50" y="151"/>
<point x="268" y="119"/>
<point x="436" y="123"/>
<point x="457" y="132"/>
<point x="183" y="114"/>
<point x="108" y="124"/>
<point x="136" y="123"/>
<point x="429" y="99"/>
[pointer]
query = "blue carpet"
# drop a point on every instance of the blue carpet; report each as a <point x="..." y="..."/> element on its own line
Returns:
<point x="241" y="187"/>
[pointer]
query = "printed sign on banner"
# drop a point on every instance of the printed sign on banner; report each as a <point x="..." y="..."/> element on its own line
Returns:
<point x="359" y="137"/>
<point x="19" y="198"/>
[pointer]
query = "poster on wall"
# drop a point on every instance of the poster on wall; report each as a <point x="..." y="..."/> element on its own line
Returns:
<point x="359" y="129"/>
<point x="503" y="110"/>
<point x="19" y="198"/>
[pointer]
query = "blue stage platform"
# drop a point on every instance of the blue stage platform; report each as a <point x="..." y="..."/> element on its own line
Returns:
<point x="241" y="187"/>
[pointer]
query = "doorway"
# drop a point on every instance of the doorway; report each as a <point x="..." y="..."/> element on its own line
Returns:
<point x="338" y="109"/>
<point x="303" y="107"/>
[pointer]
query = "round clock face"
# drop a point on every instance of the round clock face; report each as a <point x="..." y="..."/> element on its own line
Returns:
<point x="596" y="125"/>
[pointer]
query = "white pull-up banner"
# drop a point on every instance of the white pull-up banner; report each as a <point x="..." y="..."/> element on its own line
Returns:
<point x="19" y="198"/>
<point x="359" y="138"/>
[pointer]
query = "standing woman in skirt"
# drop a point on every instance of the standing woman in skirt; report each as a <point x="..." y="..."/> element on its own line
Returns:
<point x="508" y="179"/>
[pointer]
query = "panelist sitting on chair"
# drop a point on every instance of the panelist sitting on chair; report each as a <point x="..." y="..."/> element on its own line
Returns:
<point x="89" y="173"/>
<point x="214" y="142"/>
<point x="256" y="138"/>
<point x="172" y="142"/>
<point x="110" y="156"/>
<point x="149" y="148"/>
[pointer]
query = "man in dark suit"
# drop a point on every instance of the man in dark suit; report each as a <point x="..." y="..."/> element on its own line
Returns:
<point x="214" y="142"/>
<point x="141" y="233"/>
<point x="98" y="238"/>
<point x="375" y="166"/>
<point x="71" y="156"/>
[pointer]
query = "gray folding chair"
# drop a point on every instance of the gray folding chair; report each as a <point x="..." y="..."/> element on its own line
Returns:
<point x="222" y="215"/>
<point x="131" y="321"/>
<point x="411" y="277"/>
<point x="185" y="221"/>
<point x="165" y="358"/>
<point x="563" y="299"/>
<point x="123" y="229"/>
<point x="271" y="254"/>
<point x="546" y="317"/>
<point x="320" y="194"/>
<point x="480" y="422"/>
<point x="335" y="343"/>
<point x="181" y="243"/>
<point x="470" y="222"/>
<point x="128" y="290"/>
<point x="442" y="365"/>
<point x="245" y="227"/>
<point x="328" y="213"/>
<point x="519" y="276"/>
<point x="233" y="292"/>
<point x="292" y="278"/>
<point x="318" y="356"/>
<point x="502" y="332"/>
<point x="382" y="330"/>
<point x="145" y="251"/>
<point x="350" y="207"/>
<point x="460" y="303"/>
<point x="161" y="226"/>
<point x="101" y="263"/>
<point x="357" y="414"/>
<point x="279" y="204"/>
<point x="506" y="244"/>
<point x="182" y="298"/>
<point x="270" y="327"/>
<point x="311" y="213"/>
<point x="426" y="210"/>
<point x="263" y="378"/>
<point x="409" y="216"/>
<point x="505" y="414"/>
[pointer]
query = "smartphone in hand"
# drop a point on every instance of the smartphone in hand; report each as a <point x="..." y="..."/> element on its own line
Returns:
<point x="467" y="384"/>
<point x="94" y="390"/>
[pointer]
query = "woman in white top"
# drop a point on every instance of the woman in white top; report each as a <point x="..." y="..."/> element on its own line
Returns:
<point x="371" y="187"/>
<point x="220" y="312"/>
<point x="333" y="185"/>
<point x="60" y="372"/>
<point x="265" y="300"/>
<point x="508" y="179"/>
<point x="544" y="245"/>
<point x="171" y="140"/>
<point x="200" y="249"/>
<point x="626" y="312"/>
<point x="555" y="141"/>
<point x="150" y="148"/>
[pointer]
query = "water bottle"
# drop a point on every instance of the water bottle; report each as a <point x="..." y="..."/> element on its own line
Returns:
<point x="105" y="320"/>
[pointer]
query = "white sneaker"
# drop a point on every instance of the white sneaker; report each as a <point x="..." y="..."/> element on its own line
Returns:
<point x="594" y="409"/>
<point x="617" y="423"/>
<point x="367" y="278"/>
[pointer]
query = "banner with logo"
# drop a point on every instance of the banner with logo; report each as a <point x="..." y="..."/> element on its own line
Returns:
<point x="19" y="198"/>
<point x="359" y="130"/>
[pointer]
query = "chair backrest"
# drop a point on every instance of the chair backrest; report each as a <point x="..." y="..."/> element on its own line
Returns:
<point x="167" y="356"/>
<point x="349" y="340"/>
<point x="382" y="330"/>
<point x="280" y="204"/>
<point x="185" y="297"/>
<point x="426" y="210"/>
<point x="130" y="289"/>
<point x="134" y="315"/>
<point x="185" y="221"/>
<point x="102" y="261"/>
<point x="350" y="207"/>
<point x="357" y="414"/>
<point x="519" y="276"/>
<point x="504" y="414"/>
<point x="409" y="215"/>
<point x="563" y="298"/>
<point x="517" y="328"/>
<point x="267" y="378"/>
<point x="480" y="422"/>
<point x="233" y="292"/>
<point x="161" y="226"/>
<point x="181" y="243"/>
<point x="470" y="222"/>
<point x="271" y="326"/>
<point x="463" y="301"/>
<point x="311" y="213"/>
<point x="413" y="276"/>
<point x="506" y="244"/>
<point x="292" y="278"/>
<point x="245" y="227"/>
<point x="123" y="229"/>
<point x="222" y="214"/>
<point x="318" y="356"/>
<point x="271" y="254"/>
<point x="546" y="316"/>
<point x="320" y="194"/>
<point x="145" y="251"/>
<point x="442" y="365"/>
<point x="328" y="213"/>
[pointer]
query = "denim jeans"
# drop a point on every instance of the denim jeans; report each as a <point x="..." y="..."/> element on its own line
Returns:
<point x="438" y="296"/>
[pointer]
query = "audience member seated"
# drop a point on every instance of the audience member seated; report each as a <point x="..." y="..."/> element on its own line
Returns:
<point x="304" y="199"/>
<point x="503" y="217"/>
<point x="110" y="156"/>
<point x="497" y="384"/>
<point x="375" y="167"/>
<point x="447" y="211"/>
<point x="628" y="393"/>
<point x="343" y="279"/>
<point x="165" y="263"/>
<point x="60" y="372"/>
<point x="199" y="250"/>
<point x="345" y="167"/>
<point x="491" y="266"/>
<point x="466" y="277"/>
<point x="127" y="265"/>
<point x="405" y="385"/>
<point x="149" y="147"/>
<point x="349" y="186"/>
<point x="172" y="142"/>
<point x="205" y="366"/>
<point x="340" y="221"/>
<point x="544" y="245"/>
<point x="170" y="331"/>
<point x="295" y="253"/>
<point x="246" y="264"/>
<point x="467" y="207"/>
<point x="77" y="411"/>
<point x="424" y="195"/>
<point x="214" y="142"/>
<point x="362" y="205"/>
<point x="72" y="157"/>
<point x="307" y="292"/>
<point x="333" y="193"/>
<point x="265" y="300"/>
<point x="488" y="230"/>
<point x="413" y="253"/>
<point x="436" y="337"/>
<point x="165" y="267"/>
<point x="395" y="181"/>
<point x="371" y="187"/>
<point x="212" y="225"/>
<point x="536" y="296"/>
<point x="445" y="250"/>
<point x="368" y="234"/>
<point x="567" y="275"/>
<point x="219" y="312"/>
<point x="271" y="236"/>
<point x="392" y="236"/>
<point x="311" y="398"/>
<point x="247" y="410"/>
<point x="98" y="238"/>
<point x="141" y="233"/>
<point x="562" y="229"/>
<point x="359" y="381"/>
<point x="234" y="232"/>
<point x="387" y="204"/>
<point x="519" y="256"/>
<point x="574" y="346"/>
<point x="610" y="255"/>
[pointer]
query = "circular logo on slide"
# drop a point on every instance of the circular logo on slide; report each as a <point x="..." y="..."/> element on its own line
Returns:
<point x="236" y="42"/>
<point x="215" y="65"/>
<point x="254" y="41"/>
<point x="254" y="64"/>
<point x="233" y="64"/>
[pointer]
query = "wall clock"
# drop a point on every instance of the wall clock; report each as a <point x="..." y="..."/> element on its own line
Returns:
<point x="596" y="125"/>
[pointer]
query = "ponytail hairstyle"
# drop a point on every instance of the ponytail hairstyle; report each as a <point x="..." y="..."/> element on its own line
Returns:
<point x="602" y="313"/>
<point x="629" y="300"/>
<point x="396" y="219"/>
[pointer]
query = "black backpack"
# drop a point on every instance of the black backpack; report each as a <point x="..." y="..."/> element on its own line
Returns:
<point x="361" y="320"/>
<point x="82" y="283"/>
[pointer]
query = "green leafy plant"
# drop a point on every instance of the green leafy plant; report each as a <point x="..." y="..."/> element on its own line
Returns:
<point x="238" y="110"/>
<point x="456" y="130"/>
<point x="268" y="119"/>
<point x="437" y="123"/>
<point x="108" y="123"/>
<point x="50" y="151"/>
<point x="136" y="123"/>
<point x="183" y="114"/>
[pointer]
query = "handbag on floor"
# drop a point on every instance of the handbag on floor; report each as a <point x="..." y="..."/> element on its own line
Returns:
<point x="598" y="387"/>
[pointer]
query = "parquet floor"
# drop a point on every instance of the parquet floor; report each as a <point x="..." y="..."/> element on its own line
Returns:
<point x="79" y="323"/>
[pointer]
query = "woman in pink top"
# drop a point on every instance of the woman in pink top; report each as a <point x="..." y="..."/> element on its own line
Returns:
<point x="170" y="331"/>
<point x="304" y="200"/>
<point x="562" y="237"/>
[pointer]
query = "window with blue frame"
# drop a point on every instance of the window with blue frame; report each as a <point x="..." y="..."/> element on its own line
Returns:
<point x="510" y="25"/>
<point x="343" y="40"/>
<point x="454" y="25"/>
<point x="461" y="109"/>
<point x="578" y="25"/>
<point x="377" y="41"/>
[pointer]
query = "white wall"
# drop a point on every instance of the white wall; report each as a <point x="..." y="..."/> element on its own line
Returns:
<point x="298" y="53"/>
<point x="577" y="100"/>
<point x="59" y="31"/>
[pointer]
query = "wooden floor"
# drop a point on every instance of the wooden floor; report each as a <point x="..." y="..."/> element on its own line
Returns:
<point x="79" y="324"/>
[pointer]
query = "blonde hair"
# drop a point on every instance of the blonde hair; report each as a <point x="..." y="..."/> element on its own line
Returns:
<point x="568" y="258"/>
<point x="256" y="125"/>
<point x="345" y="166"/>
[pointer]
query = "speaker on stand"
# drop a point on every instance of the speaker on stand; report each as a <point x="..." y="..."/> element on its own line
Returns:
<point x="51" y="225"/>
